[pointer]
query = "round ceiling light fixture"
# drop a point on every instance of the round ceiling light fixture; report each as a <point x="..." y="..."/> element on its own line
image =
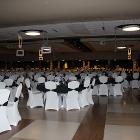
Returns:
<point x="131" y="28"/>
<point x="121" y="47"/>
<point x="32" y="32"/>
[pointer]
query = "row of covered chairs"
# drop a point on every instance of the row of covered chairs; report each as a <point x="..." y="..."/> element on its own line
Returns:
<point x="86" y="93"/>
<point x="108" y="89"/>
<point x="71" y="100"/>
<point x="9" y="113"/>
<point x="11" y="83"/>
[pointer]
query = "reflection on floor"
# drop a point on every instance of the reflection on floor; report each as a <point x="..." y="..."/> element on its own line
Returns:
<point x="48" y="130"/>
<point x="121" y="132"/>
<point x="123" y="118"/>
<point x="109" y="119"/>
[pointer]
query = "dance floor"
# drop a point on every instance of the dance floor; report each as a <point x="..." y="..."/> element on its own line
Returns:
<point x="110" y="118"/>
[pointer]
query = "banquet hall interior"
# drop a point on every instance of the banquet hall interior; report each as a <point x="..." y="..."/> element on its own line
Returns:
<point x="70" y="70"/>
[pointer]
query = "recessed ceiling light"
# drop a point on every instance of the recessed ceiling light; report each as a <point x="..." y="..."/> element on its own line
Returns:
<point x="32" y="33"/>
<point x="46" y="49"/>
<point x="131" y="28"/>
<point x="121" y="47"/>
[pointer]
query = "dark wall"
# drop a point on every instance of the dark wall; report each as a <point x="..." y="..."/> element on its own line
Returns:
<point x="68" y="56"/>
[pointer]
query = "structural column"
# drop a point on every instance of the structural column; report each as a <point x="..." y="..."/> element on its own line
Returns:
<point x="84" y="64"/>
<point x="88" y="65"/>
<point x="51" y="64"/>
<point x="58" y="65"/>
<point x="65" y="65"/>
<point x="135" y="65"/>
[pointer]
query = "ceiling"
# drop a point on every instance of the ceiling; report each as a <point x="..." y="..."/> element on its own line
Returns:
<point x="92" y="22"/>
<point x="29" y="12"/>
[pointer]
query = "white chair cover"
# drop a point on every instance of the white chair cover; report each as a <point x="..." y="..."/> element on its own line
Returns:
<point x="2" y="85"/>
<point x="83" y="97"/>
<point x="1" y="77"/>
<point x="87" y="83"/>
<point x="125" y="84"/>
<point x="124" y="75"/>
<point x="135" y="82"/>
<point x="103" y="79"/>
<point x="35" y="96"/>
<point x="72" y="97"/>
<point x="50" y="78"/>
<point x="118" y="79"/>
<point x="4" y="123"/>
<point x="72" y="78"/>
<point x="118" y="90"/>
<point x="103" y="88"/>
<point x="41" y="80"/>
<point x="12" y="108"/>
<point x="118" y="87"/>
<point x="20" y="80"/>
<point x="90" y="93"/>
<point x="114" y="75"/>
<point x="73" y="84"/>
<point x="8" y="82"/>
<point x="52" y="99"/>
<point x="135" y="75"/>
<point x="72" y="100"/>
<point x="36" y="76"/>
<point x="95" y="90"/>
<point x="57" y="79"/>
<point x="50" y="85"/>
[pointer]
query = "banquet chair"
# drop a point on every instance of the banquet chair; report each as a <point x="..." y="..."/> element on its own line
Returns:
<point x="66" y="77"/>
<point x="13" y="77"/>
<point x="41" y="84"/>
<point x="90" y="92"/>
<point x="36" y="76"/>
<point x="4" y="123"/>
<point x="1" y="77"/>
<point x="57" y="79"/>
<point x="135" y="83"/>
<point x="118" y="87"/>
<point x="92" y="86"/>
<point x="12" y="108"/>
<point x="90" y="75"/>
<point x="72" y="98"/>
<point x="33" y="84"/>
<point x="95" y="90"/>
<point x="9" y="83"/>
<point x="103" y="88"/>
<point x="125" y="83"/>
<point x="95" y="87"/>
<point x="83" y="96"/>
<point x="72" y="78"/>
<point x="52" y="99"/>
<point x="30" y="75"/>
<point x="41" y="80"/>
<point x="19" y="80"/>
<point x="50" y="78"/>
<point x="115" y="74"/>
<point x="2" y="85"/>
<point x="35" y="97"/>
